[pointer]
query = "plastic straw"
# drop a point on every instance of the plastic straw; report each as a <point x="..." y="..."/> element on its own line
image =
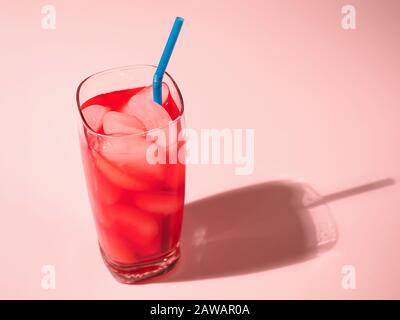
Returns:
<point x="166" y="55"/>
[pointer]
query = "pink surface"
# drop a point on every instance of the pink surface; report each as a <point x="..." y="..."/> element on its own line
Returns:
<point x="324" y="103"/>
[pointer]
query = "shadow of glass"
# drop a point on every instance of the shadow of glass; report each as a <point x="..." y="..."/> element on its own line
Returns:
<point x="252" y="229"/>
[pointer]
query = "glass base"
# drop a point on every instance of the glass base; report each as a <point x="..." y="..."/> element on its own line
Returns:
<point x="130" y="274"/>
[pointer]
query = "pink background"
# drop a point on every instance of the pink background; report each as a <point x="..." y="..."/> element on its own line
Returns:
<point x="324" y="103"/>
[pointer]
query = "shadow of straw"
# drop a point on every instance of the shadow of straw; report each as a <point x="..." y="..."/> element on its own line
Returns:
<point x="352" y="191"/>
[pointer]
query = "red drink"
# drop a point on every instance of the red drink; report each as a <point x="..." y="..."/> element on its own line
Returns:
<point x="137" y="205"/>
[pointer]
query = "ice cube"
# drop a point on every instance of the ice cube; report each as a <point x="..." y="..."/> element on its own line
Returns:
<point x="128" y="153"/>
<point x="151" y="114"/>
<point x="104" y="191"/>
<point x="120" y="123"/>
<point x="117" y="176"/>
<point x="141" y="224"/>
<point x="161" y="202"/>
<point x="165" y="137"/>
<point x="140" y="228"/>
<point x="94" y="115"/>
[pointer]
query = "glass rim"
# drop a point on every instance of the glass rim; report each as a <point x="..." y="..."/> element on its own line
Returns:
<point x="116" y="69"/>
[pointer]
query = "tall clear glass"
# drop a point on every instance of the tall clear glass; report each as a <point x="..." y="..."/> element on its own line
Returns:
<point x="137" y="204"/>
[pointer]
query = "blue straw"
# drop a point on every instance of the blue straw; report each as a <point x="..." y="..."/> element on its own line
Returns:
<point x="166" y="55"/>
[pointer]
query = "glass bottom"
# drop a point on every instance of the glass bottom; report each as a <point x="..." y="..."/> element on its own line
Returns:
<point x="130" y="274"/>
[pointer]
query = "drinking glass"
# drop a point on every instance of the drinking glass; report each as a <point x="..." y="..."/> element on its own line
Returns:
<point x="137" y="204"/>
